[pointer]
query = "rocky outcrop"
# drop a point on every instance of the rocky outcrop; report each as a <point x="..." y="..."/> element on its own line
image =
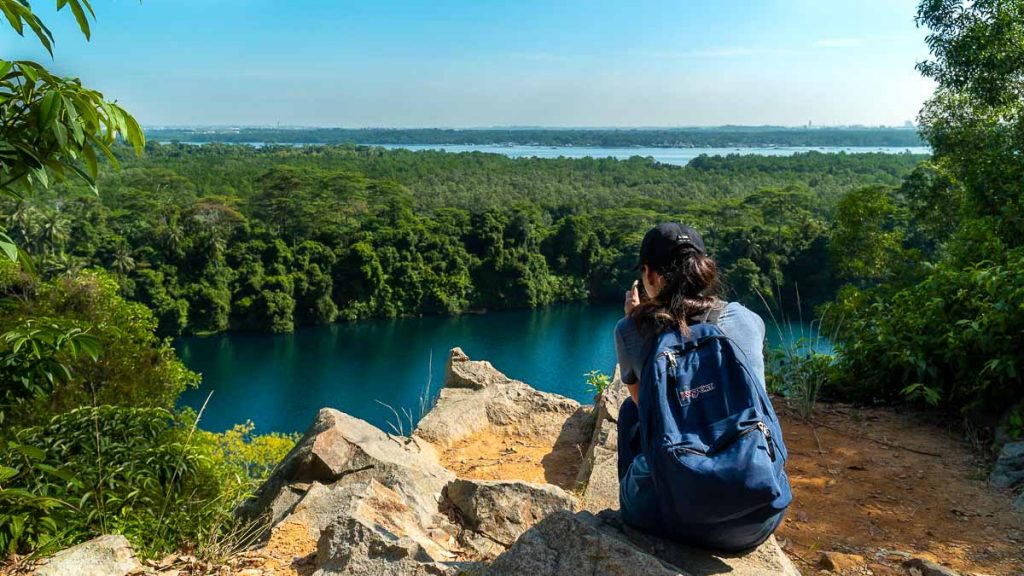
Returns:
<point x="502" y="511"/>
<point x="583" y="544"/>
<point x="372" y="529"/>
<point x="476" y="397"/>
<point x="365" y="497"/>
<point x="461" y="372"/>
<point x="109" y="555"/>
<point x="1009" y="468"/>
<point x="598" y="478"/>
<point x="569" y="545"/>
<point x="339" y="449"/>
<point x="367" y="502"/>
<point x="350" y="547"/>
<point x="768" y="558"/>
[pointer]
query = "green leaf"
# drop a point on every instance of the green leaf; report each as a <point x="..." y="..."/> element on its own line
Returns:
<point x="26" y="261"/>
<point x="8" y="247"/>
<point x="85" y="176"/>
<point x="30" y="451"/>
<point x="91" y="165"/>
<point x="90" y="345"/>
<point x="29" y="70"/>
<point x="83" y="21"/>
<point x="106" y="152"/>
<point x="60" y="132"/>
<point x="6" y="473"/>
<point x="41" y="31"/>
<point x="40" y="176"/>
<point x="135" y="135"/>
<point x="48" y="109"/>
<point x="14" y="19"/>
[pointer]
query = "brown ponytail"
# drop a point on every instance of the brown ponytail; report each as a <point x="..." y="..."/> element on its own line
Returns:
<point x="691" y="289"/>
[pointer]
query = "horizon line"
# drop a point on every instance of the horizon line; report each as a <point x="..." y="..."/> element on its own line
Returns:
<point x="529" y="127"/>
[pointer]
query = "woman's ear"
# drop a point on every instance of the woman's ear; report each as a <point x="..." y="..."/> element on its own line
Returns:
<point x="652" y="281"/>
<point x="650" y="275"/>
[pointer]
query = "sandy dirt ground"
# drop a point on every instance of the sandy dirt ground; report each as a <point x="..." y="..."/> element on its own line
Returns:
<point x="288" y="553"/>
<point x="869" y="481"/>
<point x="538" y="451"/>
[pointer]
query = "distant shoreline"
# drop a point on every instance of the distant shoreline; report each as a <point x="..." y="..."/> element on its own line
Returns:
<point x="722" y="137"/>
<point x="676" y="156"/>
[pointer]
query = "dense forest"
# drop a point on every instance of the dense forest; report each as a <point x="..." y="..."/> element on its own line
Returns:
<point x="718" y="137"/>
<point x="220" y="237"/>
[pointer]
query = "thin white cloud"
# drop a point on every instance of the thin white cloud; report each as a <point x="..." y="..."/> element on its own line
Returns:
<point x="726" y="52"/>
<point x="840" y="43"/>
<point x="537" y="56"/>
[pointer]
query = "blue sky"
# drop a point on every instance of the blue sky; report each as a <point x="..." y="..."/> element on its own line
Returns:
<point x="463" y="63"/>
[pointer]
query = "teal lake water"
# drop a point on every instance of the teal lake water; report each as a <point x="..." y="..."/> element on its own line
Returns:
<point x="675" y="156"/>
<point x="279" y="381"/>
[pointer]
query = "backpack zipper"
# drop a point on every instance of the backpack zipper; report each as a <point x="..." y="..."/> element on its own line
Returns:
<point x="760" y="426"/>
<point x="768" y="439"/>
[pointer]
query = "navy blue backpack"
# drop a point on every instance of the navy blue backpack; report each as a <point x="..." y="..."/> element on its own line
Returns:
<point x="710" y="435"/>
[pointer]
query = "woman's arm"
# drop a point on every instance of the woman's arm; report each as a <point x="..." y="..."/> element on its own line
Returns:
<point x="631" y="301"/>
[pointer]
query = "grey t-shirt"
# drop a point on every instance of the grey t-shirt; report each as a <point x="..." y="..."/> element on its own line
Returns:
<point x="743" y="326"/>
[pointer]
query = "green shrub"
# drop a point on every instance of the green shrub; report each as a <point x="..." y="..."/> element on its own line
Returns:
<point x="953" y="340"/>
<point x="799" y="371"/>
<point x="142" y="472"/>
<point x="135" y="367"/>
<point x="597" y="382"/>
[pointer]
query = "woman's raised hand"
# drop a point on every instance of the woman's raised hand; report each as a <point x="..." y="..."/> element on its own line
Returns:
<point x="632" y="298"/>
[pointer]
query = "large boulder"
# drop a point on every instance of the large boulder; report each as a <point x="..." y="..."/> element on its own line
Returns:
<point x="367" y="500"/>
<point x="372" y="529"/>
<point x="355" y="498"/>
<point x="342" y="448"/>
<point x="476" y="397"/>
<point x="583" y="544"/>
<point x="109" y="555"/>
<point x="349" y="547"/>
<point x="575" y="545"/>
<point x="1009" y="468"/>
<point x="461" y="372"/>
<point x="503" y="510"/>
<point x="768" y="558"/>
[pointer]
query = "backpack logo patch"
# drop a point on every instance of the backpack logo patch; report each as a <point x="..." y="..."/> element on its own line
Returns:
<point x="689" y="395"/>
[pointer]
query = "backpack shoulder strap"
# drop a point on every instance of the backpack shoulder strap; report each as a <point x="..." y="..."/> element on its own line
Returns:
<point x="714" y="313"/>
<point x="710" y="316"/>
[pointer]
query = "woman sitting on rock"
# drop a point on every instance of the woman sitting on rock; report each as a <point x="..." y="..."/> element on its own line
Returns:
<point x="689" y="467"/>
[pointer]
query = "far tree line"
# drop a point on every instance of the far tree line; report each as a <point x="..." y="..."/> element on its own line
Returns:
<point x="718" y="137"/>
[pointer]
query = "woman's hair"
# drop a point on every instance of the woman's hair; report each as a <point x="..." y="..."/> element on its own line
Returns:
<point x="691" y="288"/>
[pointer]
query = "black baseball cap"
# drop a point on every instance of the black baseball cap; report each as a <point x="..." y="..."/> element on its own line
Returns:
<point x="661" y="241"/>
